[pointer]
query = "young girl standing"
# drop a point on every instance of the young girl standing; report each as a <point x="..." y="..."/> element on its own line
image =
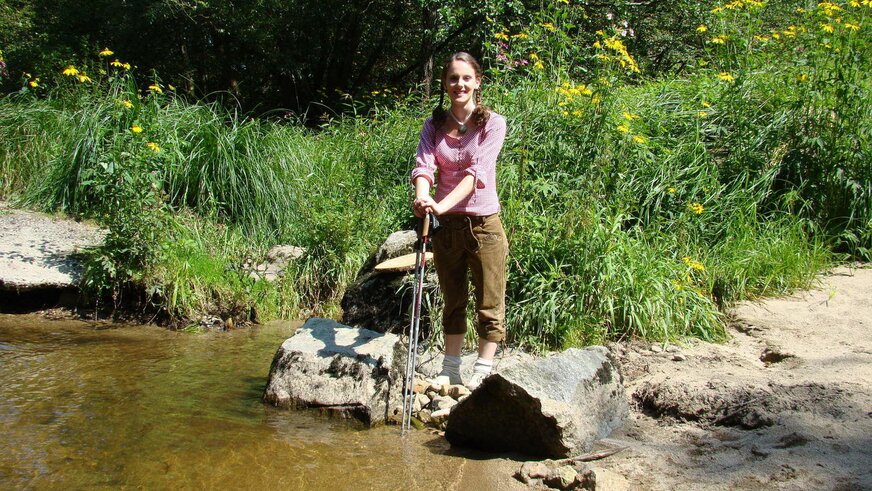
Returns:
<point x="457" y="153"/>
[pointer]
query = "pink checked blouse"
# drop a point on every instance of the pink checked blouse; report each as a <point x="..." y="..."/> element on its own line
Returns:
<point x="474" y="153"/>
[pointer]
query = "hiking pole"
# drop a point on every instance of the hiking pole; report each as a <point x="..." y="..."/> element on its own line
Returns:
<point x="415" y="325"/>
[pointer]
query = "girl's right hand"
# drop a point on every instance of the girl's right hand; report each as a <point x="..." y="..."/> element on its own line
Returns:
<point x="423" y="205"/>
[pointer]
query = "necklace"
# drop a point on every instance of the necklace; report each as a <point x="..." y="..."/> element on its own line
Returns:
<point x="461" y="128"/>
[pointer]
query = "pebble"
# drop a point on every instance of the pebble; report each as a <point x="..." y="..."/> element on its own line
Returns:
<point x="562" y="477"/>
<point x="679" y="357"/>
<point x="656" y="348"/>
<point x="420" y="386"/>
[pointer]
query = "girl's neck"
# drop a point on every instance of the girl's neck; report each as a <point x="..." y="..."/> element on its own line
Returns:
<point x="463" y="111"/>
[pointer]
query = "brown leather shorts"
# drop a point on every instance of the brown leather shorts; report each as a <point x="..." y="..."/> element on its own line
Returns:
<point x="476" y="245"/>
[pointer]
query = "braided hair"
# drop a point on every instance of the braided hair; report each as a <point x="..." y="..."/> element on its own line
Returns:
<point x="481" y="114"/>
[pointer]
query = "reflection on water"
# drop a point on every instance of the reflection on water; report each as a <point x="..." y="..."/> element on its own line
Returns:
<point x="88" y="405"/>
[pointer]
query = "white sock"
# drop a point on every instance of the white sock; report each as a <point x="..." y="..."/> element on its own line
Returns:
<point x="451" y="365"/>
<point x="483" y="366"/>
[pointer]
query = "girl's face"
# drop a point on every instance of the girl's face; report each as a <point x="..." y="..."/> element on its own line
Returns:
<point x="460" y="82"/>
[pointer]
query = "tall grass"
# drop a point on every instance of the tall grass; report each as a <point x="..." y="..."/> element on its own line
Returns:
<point x="634" y="207"/>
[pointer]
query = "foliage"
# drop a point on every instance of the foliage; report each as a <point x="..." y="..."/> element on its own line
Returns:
<point x="635" y="205"/>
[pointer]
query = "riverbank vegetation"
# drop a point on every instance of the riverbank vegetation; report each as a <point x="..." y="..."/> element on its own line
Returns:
<point x="644" y="191"/>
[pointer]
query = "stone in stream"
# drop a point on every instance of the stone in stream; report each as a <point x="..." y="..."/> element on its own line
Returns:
<point x="554" y="407"/>
<point x="355" y="372"/>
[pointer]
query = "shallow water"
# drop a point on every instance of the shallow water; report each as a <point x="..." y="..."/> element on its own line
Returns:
<point x="94" y="405"/>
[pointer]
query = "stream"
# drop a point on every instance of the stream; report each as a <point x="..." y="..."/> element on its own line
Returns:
<point x="98" y="405"/>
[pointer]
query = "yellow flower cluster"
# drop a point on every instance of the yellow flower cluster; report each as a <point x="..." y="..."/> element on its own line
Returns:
<point x="136" y="129"/>
<point x="623" y="56"/>
<point x="154" y="147"/>
<point x="693" y="264"/>
<point x="155" y="88"/>
<point x="696" y="208"/>
<point x="118" y="64"/>
<point x="726" y="77"/>
<point x="739" y="4"/>
<point x="571" y="91"/>
<point x="719" y="40"/>
<point x="106" y="52"/>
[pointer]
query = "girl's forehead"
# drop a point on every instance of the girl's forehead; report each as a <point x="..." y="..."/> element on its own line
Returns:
<point x="460" y="67"/>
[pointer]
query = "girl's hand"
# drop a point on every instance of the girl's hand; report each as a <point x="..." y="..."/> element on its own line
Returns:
<point x="424" y="205"/>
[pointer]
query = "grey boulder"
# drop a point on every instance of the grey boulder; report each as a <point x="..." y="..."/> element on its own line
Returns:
<point x="548" y="407"/>
<point x="355" y="372"/>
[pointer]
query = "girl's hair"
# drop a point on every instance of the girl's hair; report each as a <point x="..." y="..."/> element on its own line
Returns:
<point x="481" y="113"/>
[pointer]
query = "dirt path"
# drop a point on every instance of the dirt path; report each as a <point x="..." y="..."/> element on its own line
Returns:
<point x="785" y="404"/>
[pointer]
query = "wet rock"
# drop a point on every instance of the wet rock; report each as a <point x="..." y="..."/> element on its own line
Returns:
<point x="555" y="406"/>
<point x="328" y="365"/>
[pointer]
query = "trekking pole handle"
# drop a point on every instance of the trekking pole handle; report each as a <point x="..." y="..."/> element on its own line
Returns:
<point x="426" y="230"/>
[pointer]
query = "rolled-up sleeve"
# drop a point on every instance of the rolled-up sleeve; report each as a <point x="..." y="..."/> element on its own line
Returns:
<point x="425" y="158"/>
<point x="484" y="163"/>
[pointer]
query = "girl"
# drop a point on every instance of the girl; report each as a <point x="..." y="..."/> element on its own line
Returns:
<point x="457" y="153"/>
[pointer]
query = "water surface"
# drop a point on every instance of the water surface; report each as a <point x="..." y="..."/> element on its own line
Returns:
<point x="95" y="405"/>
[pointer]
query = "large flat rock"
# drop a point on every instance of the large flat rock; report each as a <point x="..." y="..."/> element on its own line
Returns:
<point x="357" y="372"/>
<point x="38" y="251"/>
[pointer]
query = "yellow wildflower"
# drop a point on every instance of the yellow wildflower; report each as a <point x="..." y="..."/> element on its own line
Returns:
<point x="116" y="63"/>
<point x="71" y="71"/>
<point x="502" y="36"/>
<point x="802" y="77"/>
<point x="375" y="92"/>
<point x="154" y="147"/>
<point x="641" y="140"/>
<point x="719" y="40"/>
<point x="601" y="32"/>
<point x="136" y="128"/>
<point x="34" y="83"/>
<point x="630" y="116"/>
<point x="693" y="264"/>
<point x="106" y="52"/>
<point x="827" y="28"/>
<point x="702" y="28"/>
<point x="854" y="3"/>
<point x="706" y="104"/>
<point x="549" y="26"/>
<point x="696" y="208"/>
<point x="776" y="36"/>
<point x="521" y="35"/>
<point x="800" y="10"/>
<point x="578" y="113"/>
<point x="852" y="27"/>
<point x="534" y="57"/>
<point x="702" y="114"/>
<point x="623" y="128"/>
<point x="155" y="88"/>
<point x="595" y="100"/>
<point x="563" y="1"/>
<point x="538" y="65"/>
<point x="725" y="76"/>
<point x="126" y="66"/>
<point x="173" y="88"/>
<point x="597" y="45"/>
<point x="127" y="104"/>
<point x="762" y="38"/>
<point x="83" y="77"/>
<point x="671" y="190"/>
